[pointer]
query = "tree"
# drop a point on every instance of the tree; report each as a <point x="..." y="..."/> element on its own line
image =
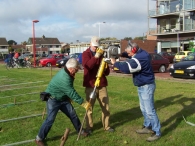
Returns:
<point x="10" y="49"/>
<point x="191" y="46"/>
<point x="128" y="38"/>
<point x="65" y="49"/>
<point x="12" y="42"/>
<point x="108" y="38"/>
<point x="24" y="43"/>
<point x="138" y="38"/>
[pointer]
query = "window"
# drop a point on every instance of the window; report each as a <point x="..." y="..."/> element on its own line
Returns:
<point x="162" y="23"/>
<point x="173" y="22"/>
<point x="189" y="53"/>
<point x="157" y="57"/>
<point x="181" y="53"/>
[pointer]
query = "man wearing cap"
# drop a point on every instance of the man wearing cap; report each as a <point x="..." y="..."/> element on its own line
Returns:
<point x="143" y="77"/>
<point x="91" y="60"/>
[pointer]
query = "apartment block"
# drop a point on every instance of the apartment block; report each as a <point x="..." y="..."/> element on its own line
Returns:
<point x="175" y="24"/>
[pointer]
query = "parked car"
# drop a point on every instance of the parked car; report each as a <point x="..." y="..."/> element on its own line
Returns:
<point x="180" y="55"/>
<point x="44" y="55"/>
<point x="184" y="68"/>
<point x="159" y="63"/>
<point x="60" y="63"/>
<point x="75" y="55"/>
<point x="170" y="56"/>
<point x="50" y="60"/>
<point x="189" y="57"/>
<point x="171" y="53"/>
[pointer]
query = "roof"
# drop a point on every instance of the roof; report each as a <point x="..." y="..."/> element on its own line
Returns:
<point x="18" y="46"/>
<point x="44" y="41"/>
<point x="3" y="42"/>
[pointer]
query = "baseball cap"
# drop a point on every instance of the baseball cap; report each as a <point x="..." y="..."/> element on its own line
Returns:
<point x="95" y="41"/>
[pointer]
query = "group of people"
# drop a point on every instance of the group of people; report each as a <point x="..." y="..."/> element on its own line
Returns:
<point x="12" y="56"/>
<point x="62" y="91"/>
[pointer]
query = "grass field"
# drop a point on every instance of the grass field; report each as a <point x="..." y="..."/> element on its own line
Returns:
<point x="21" y="111"/>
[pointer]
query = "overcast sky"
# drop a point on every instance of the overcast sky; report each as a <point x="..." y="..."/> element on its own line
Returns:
<point x="72" y="20"/>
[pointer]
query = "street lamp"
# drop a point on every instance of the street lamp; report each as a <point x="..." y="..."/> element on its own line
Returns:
<point x="178" y="42"/>
<point x="99" y="27"/>
<point x="34" y="51"/>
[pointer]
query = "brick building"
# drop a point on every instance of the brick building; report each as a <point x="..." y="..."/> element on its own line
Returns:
<point x="148" y="45"/>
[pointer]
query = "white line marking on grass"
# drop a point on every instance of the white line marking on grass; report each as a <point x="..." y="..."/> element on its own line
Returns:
<point x="25" y="117"/>
<point x="22" y="87"/>
<point x="19" y="94"/>
<point x="18" y="103"/>
<point x="13" y="79"/>
<point x="21" y="142"/>
<point x="190" y="123"/>
<point x="21" y="83"/>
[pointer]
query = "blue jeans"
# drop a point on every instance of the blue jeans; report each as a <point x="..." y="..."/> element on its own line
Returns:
<point x="53" y="106"/>
<point x="146" y="99"/>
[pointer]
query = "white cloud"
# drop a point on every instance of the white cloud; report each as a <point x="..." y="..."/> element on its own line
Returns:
<point x="71" y="20"/>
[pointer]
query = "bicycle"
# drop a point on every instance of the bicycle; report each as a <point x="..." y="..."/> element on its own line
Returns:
<point x="9" y="64"/>
<point x="24" y="63"/>
<point x="28" y="64"/>
<point x="18" y="63"/>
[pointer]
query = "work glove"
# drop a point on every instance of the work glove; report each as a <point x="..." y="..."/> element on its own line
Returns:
<point x="107" y="60"/>
<point x="99" y="52"/>
<point x="86" y="105"/>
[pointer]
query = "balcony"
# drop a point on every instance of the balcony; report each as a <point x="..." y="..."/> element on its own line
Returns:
<point x="171" y="8"/>
<point x="173" y="29"/>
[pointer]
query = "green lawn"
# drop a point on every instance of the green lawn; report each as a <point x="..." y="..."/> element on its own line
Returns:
<point x="19" y="97"/>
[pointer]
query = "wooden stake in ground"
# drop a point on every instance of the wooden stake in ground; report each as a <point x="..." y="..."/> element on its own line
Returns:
<point x="43" y="114"/>
<point x="51" y="71"/>
<point x="64" y="137"/>
<point x="15" y="100"/>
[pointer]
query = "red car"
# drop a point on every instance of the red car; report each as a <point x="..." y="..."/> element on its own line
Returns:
<point x="169" y="55"/>
<point x="50" y="60"/>
<point x="159" y="63"/>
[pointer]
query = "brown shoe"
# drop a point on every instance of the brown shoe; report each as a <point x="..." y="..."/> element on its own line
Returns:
<point x="144" y="130"/>
<point x="39" y="142"/>
<point x="110" y="130"/>
<point x="84" y="133"/>
<point x="152" y="138"/>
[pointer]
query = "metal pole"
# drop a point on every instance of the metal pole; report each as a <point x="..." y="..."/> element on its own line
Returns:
<point x="99" y="29"/>
<point x="34" y="49"/>
<point x="148" y="16"/>
<point x="34" y="45"/>
<point x="177" y="42"/>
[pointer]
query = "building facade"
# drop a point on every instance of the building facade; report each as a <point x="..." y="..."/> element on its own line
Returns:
<point x="44" y="45"/>
<point x="148" y="45"/>
<point x="175" y="24"/>
<point x="3" y="45"/>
